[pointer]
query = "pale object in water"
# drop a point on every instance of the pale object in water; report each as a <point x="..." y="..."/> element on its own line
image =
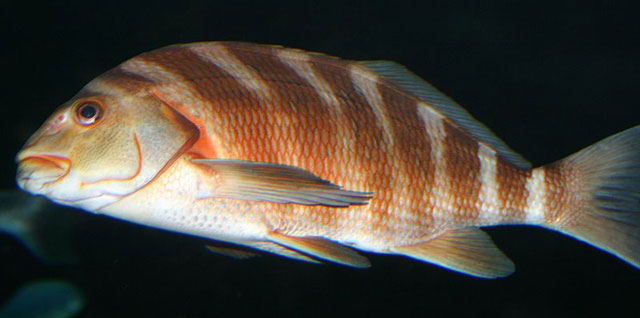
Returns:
<point x="42" y="227"/>
<point x="44" y="299"/>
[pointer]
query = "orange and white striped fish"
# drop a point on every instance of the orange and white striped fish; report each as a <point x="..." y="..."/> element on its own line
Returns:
<point x="310" y="157"/>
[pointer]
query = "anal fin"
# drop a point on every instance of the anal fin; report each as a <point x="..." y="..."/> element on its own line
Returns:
<point x="322" y="248"/>
<point x="469" y="250"/>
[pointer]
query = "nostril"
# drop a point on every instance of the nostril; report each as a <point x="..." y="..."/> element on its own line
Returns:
<point x="54" y="124"/>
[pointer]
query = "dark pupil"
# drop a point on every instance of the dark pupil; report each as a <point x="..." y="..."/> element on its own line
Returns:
<point x="88" y="111"/>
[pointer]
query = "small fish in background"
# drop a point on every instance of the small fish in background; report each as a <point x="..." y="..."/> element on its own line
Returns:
<point x="44" y="299"/>
<point x="41" y="226"/>
<point x="310" y="156"/>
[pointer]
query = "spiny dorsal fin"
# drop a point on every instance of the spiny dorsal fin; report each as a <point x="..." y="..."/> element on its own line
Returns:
<point x="468" y="250"/>
<point x="322" y="248"/>
<point x="405" y="79"/>
<point x="259" y="181"/>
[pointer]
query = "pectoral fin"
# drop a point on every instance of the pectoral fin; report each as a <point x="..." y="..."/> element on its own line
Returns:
<point x="468" y="250"/>
<point x="322" y="248"/>
<point x="258" y="181"/>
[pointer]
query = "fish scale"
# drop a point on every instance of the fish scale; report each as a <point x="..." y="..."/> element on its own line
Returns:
<point x="307" y="156"/>
<point x="381" y="164"/>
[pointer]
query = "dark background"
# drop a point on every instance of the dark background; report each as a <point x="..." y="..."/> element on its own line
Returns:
<point x="549" y="77"/>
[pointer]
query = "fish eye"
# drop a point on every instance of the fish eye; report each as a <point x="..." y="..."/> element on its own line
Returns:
<point x="88" y="113"/>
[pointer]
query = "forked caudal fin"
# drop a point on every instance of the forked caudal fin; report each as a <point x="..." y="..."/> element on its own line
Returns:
<point x="608" y="179"/>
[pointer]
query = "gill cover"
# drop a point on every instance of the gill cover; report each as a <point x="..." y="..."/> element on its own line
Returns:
<point x="107" y="155"/>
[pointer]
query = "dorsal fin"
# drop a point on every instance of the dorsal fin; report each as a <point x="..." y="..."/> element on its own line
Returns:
<point x="406" y="80"/>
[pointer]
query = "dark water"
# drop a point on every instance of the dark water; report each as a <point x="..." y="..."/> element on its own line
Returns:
<point x="547" y="78"/>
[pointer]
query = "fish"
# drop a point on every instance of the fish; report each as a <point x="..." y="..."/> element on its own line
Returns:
<point x="42" y="227"/>
<point x="50" y="298"/>
<point x="318" y="159"/>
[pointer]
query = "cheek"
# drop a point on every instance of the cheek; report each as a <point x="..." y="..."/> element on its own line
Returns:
<point x="106" y="154"/>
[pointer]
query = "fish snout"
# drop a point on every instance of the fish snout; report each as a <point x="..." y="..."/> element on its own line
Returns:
<point x="35" y="170"/>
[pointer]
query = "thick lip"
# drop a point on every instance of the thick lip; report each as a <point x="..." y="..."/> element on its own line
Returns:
<point x="42" y="168"/>
<point x="53" y="160"/>
<point x="57" y="161"/>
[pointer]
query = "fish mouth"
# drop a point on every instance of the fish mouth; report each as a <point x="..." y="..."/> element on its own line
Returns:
<point x="35" y="171"/>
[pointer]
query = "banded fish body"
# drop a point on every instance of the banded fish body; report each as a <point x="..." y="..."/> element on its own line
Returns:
<point x="310" y="157"/>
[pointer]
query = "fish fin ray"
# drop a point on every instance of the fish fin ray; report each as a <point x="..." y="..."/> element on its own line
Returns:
<point x="265" y="246"/>
<point x="278" y="249"/>
<point x="408" y="81"/>
<point x="609" y="173"/>
<point x="468" y="250"/>
<point x="322" y="248"/>
<point x="258" y="181"/>
<point x="231" y="252"/>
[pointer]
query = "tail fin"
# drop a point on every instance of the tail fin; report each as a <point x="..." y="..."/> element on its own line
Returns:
<point x="609" y="175"/>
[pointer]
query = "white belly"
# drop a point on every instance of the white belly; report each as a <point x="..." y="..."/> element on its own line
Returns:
<point x="170" y="202"/>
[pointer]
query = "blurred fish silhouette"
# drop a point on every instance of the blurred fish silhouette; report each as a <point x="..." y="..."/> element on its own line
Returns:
<point x="42" y="227"/>
<point x="44" y="299"/>
<point x="308" y="156"/>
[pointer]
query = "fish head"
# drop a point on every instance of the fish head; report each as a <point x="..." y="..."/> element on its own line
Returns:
<point x="107" y="142"/>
